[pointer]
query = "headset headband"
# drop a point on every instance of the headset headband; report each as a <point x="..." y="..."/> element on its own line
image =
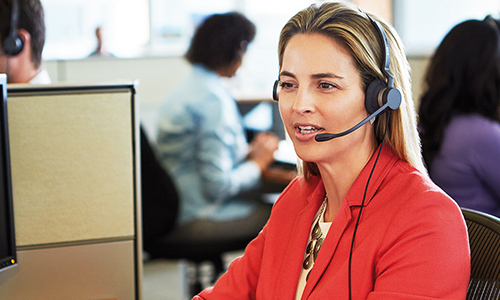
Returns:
<point x="387" y="52"/>
<point x="14" y="17"/>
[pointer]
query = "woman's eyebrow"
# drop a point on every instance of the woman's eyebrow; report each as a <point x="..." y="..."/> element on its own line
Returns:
<point x="286" y="73"/>
<point x="313" y="76"/>
<point x="325" y="75"/>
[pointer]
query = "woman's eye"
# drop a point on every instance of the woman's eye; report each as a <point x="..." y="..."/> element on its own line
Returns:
<point x="327" y="86"/>
<point x="286" y="85"/>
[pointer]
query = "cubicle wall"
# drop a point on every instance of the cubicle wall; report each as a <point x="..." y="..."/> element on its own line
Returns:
<point x="75" y="191"/>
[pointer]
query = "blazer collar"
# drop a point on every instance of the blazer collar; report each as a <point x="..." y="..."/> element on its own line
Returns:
<point x="355" y="195"/>
<point x="384" y="164"/>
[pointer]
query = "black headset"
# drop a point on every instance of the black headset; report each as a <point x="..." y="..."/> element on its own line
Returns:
<point x="12" y="43"/>
<point x="378" y="93"/>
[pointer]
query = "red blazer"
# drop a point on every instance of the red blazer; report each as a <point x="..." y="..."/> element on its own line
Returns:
<point x="411" y="243"/>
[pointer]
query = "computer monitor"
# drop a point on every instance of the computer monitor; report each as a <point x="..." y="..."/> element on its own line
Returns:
<point x="8" y="256"/>
<point x="262" y="116"/>
<point x="265" y="116"/>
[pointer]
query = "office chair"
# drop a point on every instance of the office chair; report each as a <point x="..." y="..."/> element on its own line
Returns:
<point x="484" y="239"/>
<point x="160" y="204"/>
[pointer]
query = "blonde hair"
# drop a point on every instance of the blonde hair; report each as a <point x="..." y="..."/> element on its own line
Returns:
<point x="351" y="28"/>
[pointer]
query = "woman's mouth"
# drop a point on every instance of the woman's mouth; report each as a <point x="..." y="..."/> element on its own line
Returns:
<point x="305" y="133"/>
<point x="307" y="129"/>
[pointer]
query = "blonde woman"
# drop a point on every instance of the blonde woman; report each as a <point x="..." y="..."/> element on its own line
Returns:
<point x="363" y="221"/>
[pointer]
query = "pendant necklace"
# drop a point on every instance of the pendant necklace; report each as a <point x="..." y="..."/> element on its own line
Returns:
<point x="316" y="241"/>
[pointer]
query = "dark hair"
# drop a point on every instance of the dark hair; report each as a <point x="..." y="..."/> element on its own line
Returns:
<point x="463" y="77"/>
<point x="221" y="40"/>
<point x="31" y="18"/>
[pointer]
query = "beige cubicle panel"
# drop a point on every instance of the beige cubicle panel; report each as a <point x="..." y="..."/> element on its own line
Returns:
<point x="76" y="197"/>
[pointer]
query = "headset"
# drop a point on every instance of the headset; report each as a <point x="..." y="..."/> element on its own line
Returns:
<point x="380" y="96"/>
<point x="12" y="43"/>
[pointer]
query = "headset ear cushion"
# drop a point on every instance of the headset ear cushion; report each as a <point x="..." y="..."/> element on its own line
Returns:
<point x="275" y="90"/>
<point x="12" y="44"/>
<point x="371" y="95"/>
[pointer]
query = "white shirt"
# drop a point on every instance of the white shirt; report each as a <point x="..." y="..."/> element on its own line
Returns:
<point x="41" y="78"/>
<point x="201" y="141"/>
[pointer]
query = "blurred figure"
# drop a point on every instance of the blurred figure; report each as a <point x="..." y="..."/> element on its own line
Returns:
<point x="22" y="37"/>
<point x="201" y="139"/>
<point x="100" y="49"/>
<point x="459" y="115"/>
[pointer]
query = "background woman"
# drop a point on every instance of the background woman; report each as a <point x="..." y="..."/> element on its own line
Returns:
<point x="459" y="115"/>
<point x="411" y="239"/>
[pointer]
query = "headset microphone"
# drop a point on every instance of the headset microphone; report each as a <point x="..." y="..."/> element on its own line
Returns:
<point x="393" y="102"/>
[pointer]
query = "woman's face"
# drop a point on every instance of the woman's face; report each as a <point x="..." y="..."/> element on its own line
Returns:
<point x="322" y="93"/>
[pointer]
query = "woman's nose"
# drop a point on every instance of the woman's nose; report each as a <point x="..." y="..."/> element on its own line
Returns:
<point x="304" y="102"/>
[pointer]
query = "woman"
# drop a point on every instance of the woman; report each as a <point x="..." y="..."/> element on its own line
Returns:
<point x="459" y="115"/>
<point x="411" y="239"/>
<point x="201" y="139"/>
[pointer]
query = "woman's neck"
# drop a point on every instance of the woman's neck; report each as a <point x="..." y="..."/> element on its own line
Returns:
<point x="338" y="178"/>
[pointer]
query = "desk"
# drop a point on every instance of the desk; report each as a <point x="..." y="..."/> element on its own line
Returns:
<point x="280" y="175"/>
<point x="275" y="180"/>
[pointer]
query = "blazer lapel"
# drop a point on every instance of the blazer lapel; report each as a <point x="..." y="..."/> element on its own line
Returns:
<point x="345" y="215"/>
<point x="329" y="247"/>
<point x="287" y="285"/>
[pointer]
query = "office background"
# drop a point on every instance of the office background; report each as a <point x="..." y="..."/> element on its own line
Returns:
<point x="149" y="37"/>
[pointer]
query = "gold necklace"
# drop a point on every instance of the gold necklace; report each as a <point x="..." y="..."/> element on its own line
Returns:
<point x="317" y="240"/>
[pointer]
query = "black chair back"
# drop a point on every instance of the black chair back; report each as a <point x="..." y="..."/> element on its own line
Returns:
<point x="484" y="239"/>
<point x="160" y="201"/>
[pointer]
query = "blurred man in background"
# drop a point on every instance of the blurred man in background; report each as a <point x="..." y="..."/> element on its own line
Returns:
<point x="22" y="37"/>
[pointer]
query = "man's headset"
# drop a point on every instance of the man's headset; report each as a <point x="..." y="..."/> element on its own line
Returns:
<point x="379" y="95"/>
<point x="12" y="43"/>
